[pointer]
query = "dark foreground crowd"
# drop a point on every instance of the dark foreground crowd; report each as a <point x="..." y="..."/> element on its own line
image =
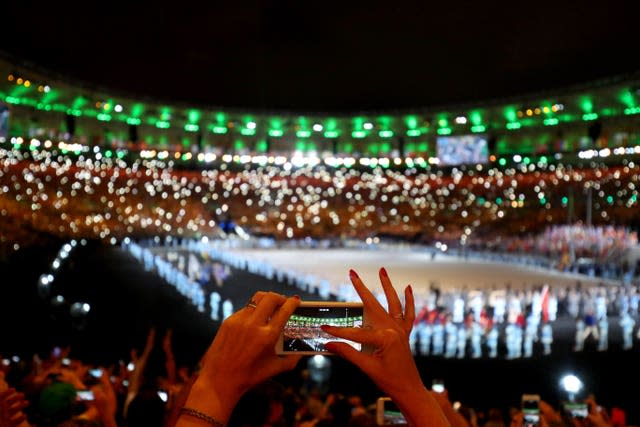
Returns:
<point x="237" y="381"/>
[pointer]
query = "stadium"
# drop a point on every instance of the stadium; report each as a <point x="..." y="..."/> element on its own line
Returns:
<point x="158" y="200"/>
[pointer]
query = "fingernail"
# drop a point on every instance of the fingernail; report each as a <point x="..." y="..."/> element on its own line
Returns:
<point x="383" y="272"/>
<point x="410" y="289"/>
<point x="353" y="274"/>
<point x="296" y="296"/>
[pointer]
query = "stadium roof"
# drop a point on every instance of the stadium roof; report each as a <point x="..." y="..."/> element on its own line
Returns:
<point x="325" y="56"/>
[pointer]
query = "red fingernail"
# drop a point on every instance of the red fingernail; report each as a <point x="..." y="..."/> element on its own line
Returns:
<point x="410" y="289"/>
<point x="383" y="271"/>
<point x="353" y="274"/>
<point x="296" y="296"/>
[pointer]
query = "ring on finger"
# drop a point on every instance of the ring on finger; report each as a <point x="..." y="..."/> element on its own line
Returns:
<point x="398" y="316"/>
<point x="252" y="304"/>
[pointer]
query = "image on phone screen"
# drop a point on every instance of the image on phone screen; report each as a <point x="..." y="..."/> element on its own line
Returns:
<point x="576" y="409"/>
<point x="387" y="413"/>
<point x="85" y="395"/>
<point x="531" y="410"/>
<point x="302" y="333"/>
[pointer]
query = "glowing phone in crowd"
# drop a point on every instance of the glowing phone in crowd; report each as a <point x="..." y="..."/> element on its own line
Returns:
<point x="531" y="410"/>
<point x="388" y="414"/>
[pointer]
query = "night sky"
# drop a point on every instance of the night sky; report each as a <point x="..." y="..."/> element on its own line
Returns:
<point x="326" y="56"/>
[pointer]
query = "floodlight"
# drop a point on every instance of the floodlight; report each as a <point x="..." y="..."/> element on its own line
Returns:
<point x="571" y="384"/>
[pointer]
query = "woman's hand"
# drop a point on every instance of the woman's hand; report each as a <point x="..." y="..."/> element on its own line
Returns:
<point x="11" y="405"/>
<point x="388" y="335"/>
<point x="243" y="355"/>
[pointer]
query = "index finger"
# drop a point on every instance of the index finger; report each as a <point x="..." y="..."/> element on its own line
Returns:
<point x="369" y="300"/>
<point x="284" y="312"/>
<point x="268" y="304"/>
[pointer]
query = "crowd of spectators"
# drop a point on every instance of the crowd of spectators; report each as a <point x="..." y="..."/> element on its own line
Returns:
<point x="89" y="195"/>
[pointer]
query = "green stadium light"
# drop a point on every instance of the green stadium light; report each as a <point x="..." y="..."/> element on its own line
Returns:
<point x="358" y="134"/>
<point x="589" y="116"/>
<point x="414" y="132"/>
<point x="444" y="131"/>
<point x="385" y="133"/>
<point x="163" y="124"/>
<point x="134" y="121"/>
<point x="165" y="114"/>
<point x="104" y="117"/>
<point x="303" y="134"/>
<point x="261" y="146"/>
<point x="514" y="125"/>
<point x="220" y="130"/>
<point x="411" y="122"/>
<point x="511" y="114"/>
<point x="194" y="116"/>
<point x="331" y="134"/>
<point x="551" y="121"/>
<point x="475" y="117"/>
<point x="79" y="102"/>
<point x="586" y="104"/>
<point x="478" y="128"/>
<point x="276" y="133"/>
<point x="191" y="127"/>
<point x="627" y="98"/>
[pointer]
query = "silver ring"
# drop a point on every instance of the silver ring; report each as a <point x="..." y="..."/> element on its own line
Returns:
<point x="398" y="316"/>
<point x="251" y="304"/>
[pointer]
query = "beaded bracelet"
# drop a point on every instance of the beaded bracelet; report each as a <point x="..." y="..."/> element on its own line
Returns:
<point x="200" y="415"/>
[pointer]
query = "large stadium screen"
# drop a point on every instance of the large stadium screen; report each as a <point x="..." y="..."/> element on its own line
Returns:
<point x="459" y="150"/>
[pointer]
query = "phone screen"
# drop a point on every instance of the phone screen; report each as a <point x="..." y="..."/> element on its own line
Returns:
<point x="163" y="395"/>
<point x="302" y="333"/>
<point x="531" y="411"/>
<point x="390" y="413"/>
<point x="437" y="386"/>
<point x="576" y="409"/>
<point x="85" y="395"/>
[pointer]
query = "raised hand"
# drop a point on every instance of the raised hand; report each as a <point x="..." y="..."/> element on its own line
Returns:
<point x="388" y="334"/>
<point x="242" y="355"/>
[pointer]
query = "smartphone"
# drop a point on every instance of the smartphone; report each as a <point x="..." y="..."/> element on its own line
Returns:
<point x="302" y="333"/>
<point x="163" y="395"/>
<point x="387" y="413"/>
<point x="437" y="385"/>
<point x="531" y="410"/>
<point x="85" y="395"/>
<point x="95" y="373"/>
<point x="575" y="409"/>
